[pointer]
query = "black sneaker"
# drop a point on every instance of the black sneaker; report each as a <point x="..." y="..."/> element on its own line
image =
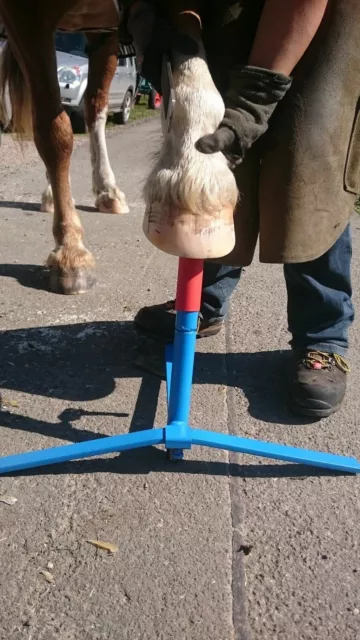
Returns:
<point x="319" y="383"/>
<point x="158" y="321"/>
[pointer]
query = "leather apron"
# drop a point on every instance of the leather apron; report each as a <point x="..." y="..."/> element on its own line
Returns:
<point x="297" y="184"/>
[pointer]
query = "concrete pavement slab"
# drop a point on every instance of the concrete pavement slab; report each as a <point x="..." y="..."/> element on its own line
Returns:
<point x="68" y="374"/>
<point x="190" y="536"/>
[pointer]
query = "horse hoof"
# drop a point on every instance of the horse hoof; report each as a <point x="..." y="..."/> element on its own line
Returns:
<point x="72" y="270"/>
<point x="111" y="205"/>
<point x="187" y="235"/>
<point x="47" y="206"/>
<point x="72" y="282"/>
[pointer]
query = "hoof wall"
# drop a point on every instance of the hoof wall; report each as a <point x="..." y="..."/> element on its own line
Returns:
<point x="110" y="205"/>
<point x="71" y="282"/>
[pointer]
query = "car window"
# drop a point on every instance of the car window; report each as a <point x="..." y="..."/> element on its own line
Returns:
<point x="74" y="43"/>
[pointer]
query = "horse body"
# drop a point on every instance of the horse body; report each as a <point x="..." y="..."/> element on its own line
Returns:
<point x="189" y="197"/>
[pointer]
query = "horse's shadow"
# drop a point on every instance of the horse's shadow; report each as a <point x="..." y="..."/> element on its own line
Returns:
<point x="31" y="276"/>
<point x="81" y="362"/>
<point x="34" y="207"/>
<point x="30" y="207"/>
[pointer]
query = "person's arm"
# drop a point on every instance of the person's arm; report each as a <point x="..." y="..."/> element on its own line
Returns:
<point x="285" y="31"/>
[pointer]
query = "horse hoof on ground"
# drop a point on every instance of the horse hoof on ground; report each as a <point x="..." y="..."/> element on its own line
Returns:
<point x="71" y="283"/>
<point x="47" y="206"/>
<point x="71" y="273"/>
<point x="116" y="203"/>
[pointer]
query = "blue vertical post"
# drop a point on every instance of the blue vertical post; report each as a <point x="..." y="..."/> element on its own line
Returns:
<point x="183" y="365"/>
<point x="188" y="299"/>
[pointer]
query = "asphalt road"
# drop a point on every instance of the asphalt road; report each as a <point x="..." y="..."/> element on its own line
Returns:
<point x="216" y="548"/>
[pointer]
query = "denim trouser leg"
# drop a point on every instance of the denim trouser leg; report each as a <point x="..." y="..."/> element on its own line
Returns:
<point x="320" y="309"/>
<point x="219" y="283"/>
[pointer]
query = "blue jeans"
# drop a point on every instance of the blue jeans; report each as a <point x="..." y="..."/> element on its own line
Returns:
<point x="320" y="310"/>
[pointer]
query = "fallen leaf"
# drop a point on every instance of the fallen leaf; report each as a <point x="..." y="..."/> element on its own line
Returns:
<point x="47" y="575"/>
<point x="9" y="403"/>
<point x="104" y="546"/>
<point x="10" y="500"/>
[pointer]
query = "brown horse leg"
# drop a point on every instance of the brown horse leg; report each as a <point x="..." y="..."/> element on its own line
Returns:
<point x="70" y="263"/>
<point x="103" y="53"/>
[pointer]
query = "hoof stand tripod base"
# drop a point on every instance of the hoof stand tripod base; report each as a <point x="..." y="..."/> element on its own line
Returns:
<point x="177" y="435"/>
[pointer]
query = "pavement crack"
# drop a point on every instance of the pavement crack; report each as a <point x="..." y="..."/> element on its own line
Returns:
<point x="239" y="604"/>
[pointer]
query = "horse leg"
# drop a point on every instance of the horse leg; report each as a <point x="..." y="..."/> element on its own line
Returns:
<point x="70" y="263"/>
<point x="190" y="197"/>
<point x="103" y="54"/>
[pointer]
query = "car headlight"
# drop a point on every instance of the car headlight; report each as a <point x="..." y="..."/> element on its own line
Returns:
<point x="70" y="75"/>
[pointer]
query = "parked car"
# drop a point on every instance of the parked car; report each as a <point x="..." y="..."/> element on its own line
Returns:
<point x="72" y="67"/>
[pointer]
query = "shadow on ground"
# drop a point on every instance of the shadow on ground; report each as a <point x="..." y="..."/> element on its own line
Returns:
<point x="31" y="276"/>
<point x="32" y="207"/>
<point x="80" y="362"/>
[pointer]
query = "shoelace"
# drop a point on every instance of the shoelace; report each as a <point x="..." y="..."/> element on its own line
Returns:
<point x="322" y="360"/>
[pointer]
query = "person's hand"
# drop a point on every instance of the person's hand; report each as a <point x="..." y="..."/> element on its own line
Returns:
<point x="222" y="140"/>
<point x="153" y="37"/>
<point x="250" y="101"/>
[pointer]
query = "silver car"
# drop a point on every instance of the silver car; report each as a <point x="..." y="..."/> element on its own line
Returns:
<point x="72" y="67"/>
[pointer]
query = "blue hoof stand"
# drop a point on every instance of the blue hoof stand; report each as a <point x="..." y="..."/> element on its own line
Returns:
<point x="178" y="435"/>
<point x="175" y="455"/>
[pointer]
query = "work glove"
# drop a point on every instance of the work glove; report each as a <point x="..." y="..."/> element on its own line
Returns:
<point x="153" y="37"/>
<point x="250" y="101"/>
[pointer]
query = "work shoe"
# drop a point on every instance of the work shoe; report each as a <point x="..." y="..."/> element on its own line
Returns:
<point x="319" y="383"/>
<point x="158" y="321"/>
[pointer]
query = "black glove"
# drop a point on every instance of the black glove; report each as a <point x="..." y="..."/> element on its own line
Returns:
<point x="153" y="37"/>
<point x="253" y="95"/>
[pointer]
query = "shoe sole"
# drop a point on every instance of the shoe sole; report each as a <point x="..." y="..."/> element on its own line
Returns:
<point x="203" y="333"/>
<point x="312" y="412"/>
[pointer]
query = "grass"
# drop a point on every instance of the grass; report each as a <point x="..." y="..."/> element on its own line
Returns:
<point x="138" y="112"/>
<point x="141" y="110"/>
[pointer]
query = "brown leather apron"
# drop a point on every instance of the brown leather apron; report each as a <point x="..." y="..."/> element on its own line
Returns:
<point x="297" y="183"/>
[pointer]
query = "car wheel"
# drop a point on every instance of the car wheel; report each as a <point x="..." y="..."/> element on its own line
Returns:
<point x="77" y="119"/>
<point x="154" y="101"/>
<point x="122" y="117"/>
